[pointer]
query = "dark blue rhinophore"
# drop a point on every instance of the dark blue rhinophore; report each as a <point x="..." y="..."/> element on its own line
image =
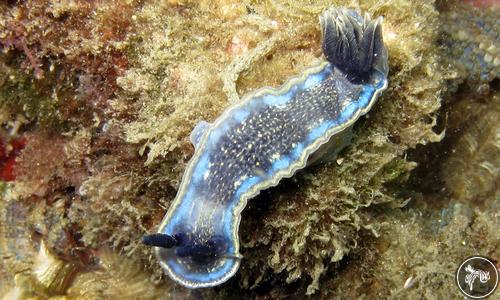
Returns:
<point x="266" y="137"/>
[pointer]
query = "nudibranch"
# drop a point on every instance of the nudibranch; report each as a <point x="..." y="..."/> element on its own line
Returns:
<point x="267" y="136"/>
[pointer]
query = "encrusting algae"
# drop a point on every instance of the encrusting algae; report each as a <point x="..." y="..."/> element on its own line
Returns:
<point x="105" y="95"/>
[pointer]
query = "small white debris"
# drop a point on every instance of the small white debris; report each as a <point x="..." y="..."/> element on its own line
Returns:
<point x="409" y="282"/>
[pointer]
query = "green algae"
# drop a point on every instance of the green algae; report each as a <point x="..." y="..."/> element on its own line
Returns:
<point x="314" y="234"/>
<point x="20" y="93"/>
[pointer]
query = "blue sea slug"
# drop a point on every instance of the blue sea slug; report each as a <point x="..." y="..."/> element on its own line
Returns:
<point x="266" y="137"/>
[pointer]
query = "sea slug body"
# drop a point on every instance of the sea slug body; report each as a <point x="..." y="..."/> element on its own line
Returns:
<point x="268" y="136"/>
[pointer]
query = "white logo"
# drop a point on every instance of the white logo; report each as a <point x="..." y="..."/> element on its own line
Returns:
<point x="477" y="277"/>
<point x="473" y="274"/>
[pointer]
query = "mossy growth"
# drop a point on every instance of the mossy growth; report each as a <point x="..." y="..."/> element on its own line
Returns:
<point x="417" y="253"/>
<point x="21" y="93"/>
<point x="302" y="231"/>
<point x="172" y="63"/>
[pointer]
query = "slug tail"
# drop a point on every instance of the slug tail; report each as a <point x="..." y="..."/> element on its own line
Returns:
<point x="353" y="44"/>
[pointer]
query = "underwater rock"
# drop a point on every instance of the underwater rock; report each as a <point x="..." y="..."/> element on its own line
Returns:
<point x="471" y="36"/>
<point x="111" y="91"/>
<point x="399" y="265"/>
<point x="45" y="276"/>
<point x="110" y="277"/>
<point x="117" y="276"/>
<point x="472" y="171"/>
